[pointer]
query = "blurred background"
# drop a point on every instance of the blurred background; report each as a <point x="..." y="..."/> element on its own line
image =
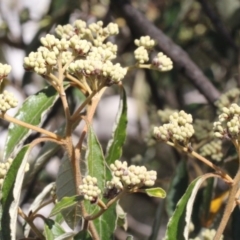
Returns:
<point x="202" y="38"/>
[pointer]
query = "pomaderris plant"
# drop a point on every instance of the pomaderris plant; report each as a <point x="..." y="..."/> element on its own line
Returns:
<point x="89" y="183"/>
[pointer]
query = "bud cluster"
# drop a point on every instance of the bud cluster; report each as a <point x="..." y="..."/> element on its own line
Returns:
<point x="165" y="114"/>
<point x="212" y="150"/>
<point x="89" y="189"/>
<point x="4" y="166"/>
<point x="179" y="129"/>
<point x="228" y="125"/>
<point x="4" y="70"/>
<point x="226" y="99"/>
<point x="129" y="177"/>
<point x="162" y="63"/>
<point x="203" y="129"/>
<point x="83" y="49"/>
<point x="145" y="44"/>
<point x="7" y="101"/>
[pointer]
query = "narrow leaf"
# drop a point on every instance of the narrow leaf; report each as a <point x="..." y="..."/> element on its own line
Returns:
<point x="106" y="223"/>
<point x="11" y="191"/>
<point x="65" y="187"/>
<point x="55" y="228"/>
<point x="155" y="192"/>
<point x="178" y="223"/>
<point x="66" y="236"/>
<point x="83" y="235"/>
<point x="207" y="197"/>
<point x="177" y="187"/>
<point x="114" y="148"/>
<point x="95" y="159"/>
<point x="32" y="111"/>
<point x="47" y="232"/>
<point x="189" y="207"/>
<point x="64" y="203"/>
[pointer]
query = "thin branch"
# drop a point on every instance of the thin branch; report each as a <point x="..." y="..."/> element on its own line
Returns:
<point x="30" y="222"/>
<point x="218" y="170"/>
<point x="30" y="126"/>
<point x="231" y="202"/>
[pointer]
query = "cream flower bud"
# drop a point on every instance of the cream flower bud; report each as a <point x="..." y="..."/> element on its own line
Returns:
<point x="5" y="69"/>
<point x="145" y="42"/>
<point x="141" y="54"/>
<point x="162" y="62"/>
<point x="7" y="101"/>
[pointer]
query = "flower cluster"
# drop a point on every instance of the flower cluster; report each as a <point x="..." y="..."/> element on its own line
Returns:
<point x="179" y="129"/>
<point x="226" y="99"/>
<point x="4" y="70"/>
<point x="129" y="177"/>
<point x="162" y="63"/>
<point x="4" y="166"/>
<point x="228" y="125"/>
<point x="145" y="44"/>
<point x="165" y="114"/>
<point x="7" y="101"/>
<point x="203" y="129"/>
<point x="212" y="150"/>
<point x="90" y="189"/>
<point x="83" y="50"/>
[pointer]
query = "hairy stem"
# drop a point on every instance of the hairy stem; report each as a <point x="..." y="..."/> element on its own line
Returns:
<point x="219" y="171"/>
<point x="33" y="127"/>
<point x="102" y="210"/>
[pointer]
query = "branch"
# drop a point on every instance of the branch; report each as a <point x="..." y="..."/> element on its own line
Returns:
<point x="139" y="26"/>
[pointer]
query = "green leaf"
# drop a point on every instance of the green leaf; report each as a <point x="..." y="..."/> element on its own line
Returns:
<point x="114" y="148"/>
<point x="65" y="236"/>
<point x="155" y="192"/>
<point x="48" y="233"/>
<point x="177" y="222"/>
<point x="52" y="230"/>
<point x="32" y="111"/>
<point x="83" y="235"/>
<point x="95" y="159"/>
<point x="105" y="224"/>
<point x="66" y="187"/>
<point x="64" y="203"/>
<point x="178" y="225"/>
<point x="177" y="187"/>
<point x="11" y="191"/>
<point x="207" y="197"/>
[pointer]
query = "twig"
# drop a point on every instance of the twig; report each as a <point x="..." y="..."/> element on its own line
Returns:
<point x="30" y="126"/>
<point x="219" y="171"/>
<point x="30" y="222"/>
<point x="231" y="202"/>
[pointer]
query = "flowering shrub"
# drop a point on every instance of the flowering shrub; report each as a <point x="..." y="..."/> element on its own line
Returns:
<point x="79" y="56"/>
